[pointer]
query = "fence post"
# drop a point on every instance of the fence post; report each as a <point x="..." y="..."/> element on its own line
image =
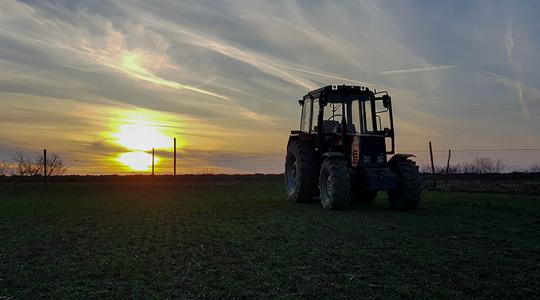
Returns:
<point x="153" y="154"/>
<point x="447" y="167"/>
<point x="432" y="165"/>
<point x="45" y="166"/>
<point x="174" y="157"/>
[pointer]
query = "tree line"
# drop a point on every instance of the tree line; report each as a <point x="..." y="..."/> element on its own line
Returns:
<point x="479" y="165"/>
<point x="22" y="165"/>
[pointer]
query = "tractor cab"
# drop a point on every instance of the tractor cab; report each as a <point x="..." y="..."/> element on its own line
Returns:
<point x="350" y="119"/>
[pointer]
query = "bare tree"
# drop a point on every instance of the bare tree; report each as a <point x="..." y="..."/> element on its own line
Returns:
<point x="482" y="165"/>
<point x="55" y="164"/>
<point x="27" y="167"/>
<point x="425" y="168"/>
<point x="535" y="168"/>
<point x="4" y="168"/>
<point x="19" y="161"/>
<point x="453" y="169"/>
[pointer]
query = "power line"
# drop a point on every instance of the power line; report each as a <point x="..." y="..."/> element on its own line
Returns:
<point x="477" y="150"/>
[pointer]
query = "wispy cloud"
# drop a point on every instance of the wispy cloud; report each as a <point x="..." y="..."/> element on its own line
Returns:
<point x="524" y="107"/>
<point x="373" y="85"/>
<point x="519" y="87"/>
<point x="509" y="42"/>
<point x="227" y="72"/>
<point x="332" y="76"/>
<point x="416" y="70"/>
<point x="509" y="46"/>
<point x="109" y="48"/>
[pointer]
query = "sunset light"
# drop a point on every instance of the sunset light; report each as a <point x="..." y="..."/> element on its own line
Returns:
<point x="269" y="149"/>
<point x="96" y="81"/>
<point x="137" y="161"/>
<point x="141" y="137"/>
<point x="138" y="131"/>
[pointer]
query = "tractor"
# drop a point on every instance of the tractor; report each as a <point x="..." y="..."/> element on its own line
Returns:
<point x="340" y="152"/>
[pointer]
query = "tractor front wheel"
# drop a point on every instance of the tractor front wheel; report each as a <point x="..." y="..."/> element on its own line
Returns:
<point x="301" y="171"/>
<point x="335" y="184"/>
<point x="409" y="185"/>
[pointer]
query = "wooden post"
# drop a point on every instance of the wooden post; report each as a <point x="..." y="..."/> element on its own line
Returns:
<point x="45" y="166"/>
<point x="174" y="157"/>
<point x="153" y="154"/>
<point x="447" y="167"/>
<point x="432" y="164"/>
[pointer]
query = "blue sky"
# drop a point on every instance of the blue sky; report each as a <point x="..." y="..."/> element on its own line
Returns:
<point x="224" y="76"/>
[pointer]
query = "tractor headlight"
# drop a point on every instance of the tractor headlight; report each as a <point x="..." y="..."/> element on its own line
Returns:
<point x="366" y="159"/>
<point x="381" y="158"/>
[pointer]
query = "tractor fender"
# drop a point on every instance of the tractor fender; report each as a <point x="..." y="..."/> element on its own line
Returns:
<point x="293" y="138"/>
<point x="333" y="155"/>
<point x="299" y="136"/>
<point x="400" y="156"/>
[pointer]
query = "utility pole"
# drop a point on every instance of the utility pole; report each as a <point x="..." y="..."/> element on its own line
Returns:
<point x="432" y="165"/>
<point x="45" y="166"/>
<point x="447" y="167"/>
<point x="174" y="157"/>
<point x="153" y="155"/>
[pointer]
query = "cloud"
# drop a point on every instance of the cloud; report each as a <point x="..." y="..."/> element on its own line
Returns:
<point x="509" y="42"/>
<point x="333" y="76"/>
<point x="519" y="87"/>
<point x="87" y="50"/>
<point x="509" y="46"/>
<point x="416" y="70"/>
<point x="524" y="107"/>
<point x="373" y="85"/>
<point x="182" y="34"/>
<point x="224" y="73"/>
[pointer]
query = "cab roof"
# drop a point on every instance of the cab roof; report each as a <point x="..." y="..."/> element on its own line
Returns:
<point x="340" y="93"/>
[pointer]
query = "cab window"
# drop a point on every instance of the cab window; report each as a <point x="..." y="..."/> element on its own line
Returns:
<point x="306" y="116"/>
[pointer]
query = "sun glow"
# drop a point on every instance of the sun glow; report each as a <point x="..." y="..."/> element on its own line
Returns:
<point x="137" y="161"/>
<point x="137" y="132"/>
<point x="141" y="137"/>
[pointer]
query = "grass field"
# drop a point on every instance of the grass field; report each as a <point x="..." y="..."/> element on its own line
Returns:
<point x="238" y="237"/>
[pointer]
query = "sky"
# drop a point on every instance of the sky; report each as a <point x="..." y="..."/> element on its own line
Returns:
<point x="102" y="82"/>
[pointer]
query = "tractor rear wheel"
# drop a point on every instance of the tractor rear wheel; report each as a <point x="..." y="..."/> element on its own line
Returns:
<point x="409" y="185"/>
<point x="301" y="172"/>
<point x="335" y="184"/>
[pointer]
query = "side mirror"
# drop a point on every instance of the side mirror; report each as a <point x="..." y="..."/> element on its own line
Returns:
<point x="386" y="101"/>
<point x="301" y="101"/>
<point x="386" y="131"/>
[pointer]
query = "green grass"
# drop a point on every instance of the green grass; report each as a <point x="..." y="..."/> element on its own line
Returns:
<point x="241" y="239"/>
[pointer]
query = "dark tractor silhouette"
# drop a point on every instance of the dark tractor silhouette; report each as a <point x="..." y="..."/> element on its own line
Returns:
<point x="340" y="152"/>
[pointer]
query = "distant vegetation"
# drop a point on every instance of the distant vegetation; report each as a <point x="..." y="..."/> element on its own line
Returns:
<point x="4" y="168"/>
<point x="479" y="165"/>
<point x="22" y="165"/>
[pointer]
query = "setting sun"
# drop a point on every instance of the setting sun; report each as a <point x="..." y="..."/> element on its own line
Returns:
<point x="141" y="130"/>
<point x="137" y="132"/>
<point x="141" y="137"/>
<point x="137" y="161"/>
